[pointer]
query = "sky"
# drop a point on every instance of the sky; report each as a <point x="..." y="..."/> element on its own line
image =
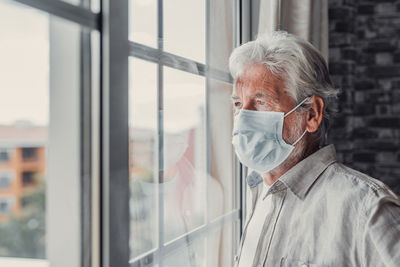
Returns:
<point x="24" y="63"/>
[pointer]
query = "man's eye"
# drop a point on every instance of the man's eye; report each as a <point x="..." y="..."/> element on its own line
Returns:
<point x="260" y="102"/>
<point x="237" y="104"/>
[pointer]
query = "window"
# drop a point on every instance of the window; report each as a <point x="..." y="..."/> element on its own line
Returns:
<point x="29" y="153"/>
<point x="47" y="49"/>
<point x="6" y="205"/>
<point x="24" y="68"/>
<point x="132" y="161"/>
<point x="183" y="184"/>
<point x="5" y="179"/>
<point x="4" y="154"/>
<point x="28" y="178"/>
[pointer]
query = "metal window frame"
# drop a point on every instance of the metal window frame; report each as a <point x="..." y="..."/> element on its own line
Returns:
<point x="114" y="174"/>
<point x="86" y="133"/>
<point x="245" y="34"/>
<point x="77" y="14"/>
<point x="160" y="142"/>
<point x="112" y="23"/>
<point x="177" y="62"/>
<point x="155" y="256"/>
<point x="163" y="58"/>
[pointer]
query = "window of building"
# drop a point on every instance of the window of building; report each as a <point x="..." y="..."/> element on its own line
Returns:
<point x="4" y="154"/>
<point x="28" y="178"/>
<point x="29" y="153"/>
<point x="6" y="179"/>
<point x="6" y="205"/>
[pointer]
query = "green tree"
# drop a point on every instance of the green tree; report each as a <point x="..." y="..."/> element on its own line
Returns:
<point x="23" y="235"/>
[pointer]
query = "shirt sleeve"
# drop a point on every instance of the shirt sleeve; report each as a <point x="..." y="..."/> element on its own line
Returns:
<point x="381" y="234"/>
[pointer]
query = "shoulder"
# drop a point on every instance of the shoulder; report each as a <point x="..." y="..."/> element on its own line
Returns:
<point x="352" y="185"/>
<point x="344" y="174"/>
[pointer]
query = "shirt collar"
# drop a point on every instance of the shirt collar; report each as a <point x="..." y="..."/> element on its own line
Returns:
<point x="301" y="176"/>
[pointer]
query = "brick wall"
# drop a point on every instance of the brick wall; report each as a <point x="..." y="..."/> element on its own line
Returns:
<point x="364" y="61"/>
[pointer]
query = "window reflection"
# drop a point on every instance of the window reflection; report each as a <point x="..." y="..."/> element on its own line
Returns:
<point x="185" y="28"/>
<point x="185" y="169"/>
<point x="24" y="66"/>
<point x="143" y="156"/>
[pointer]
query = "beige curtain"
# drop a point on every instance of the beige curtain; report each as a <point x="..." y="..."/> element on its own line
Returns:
<point x="305" y="18"/>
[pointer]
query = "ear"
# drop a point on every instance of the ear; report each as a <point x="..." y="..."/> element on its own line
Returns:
<point x="314" y="115"/>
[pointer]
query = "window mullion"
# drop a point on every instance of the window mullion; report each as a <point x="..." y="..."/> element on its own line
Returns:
<point x="86" y="145"/>
<point x="177" y="62"/>
<point x="65" y="10"/>
<point x="115" y="134"/>
<point x="160" y="127"/>
<point x="173" y="245"/>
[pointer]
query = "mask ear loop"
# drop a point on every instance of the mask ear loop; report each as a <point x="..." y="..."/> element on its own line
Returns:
<point x="301" y="103"/>
<point x="299" y="138"/>
<point x="293" y="109"/>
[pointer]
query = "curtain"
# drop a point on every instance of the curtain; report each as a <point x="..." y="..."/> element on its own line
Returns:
<point x="307" y="19"/>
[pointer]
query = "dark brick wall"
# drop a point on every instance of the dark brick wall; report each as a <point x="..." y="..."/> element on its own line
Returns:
<point x="364" y="62"/>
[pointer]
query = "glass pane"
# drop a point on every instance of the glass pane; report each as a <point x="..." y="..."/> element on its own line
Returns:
<point x="215" y="248"/>
<point x="40" y="85"/>
<point x="94" y="4"/>
<point x="184" y="152"/>
<point x="74" y="2"/>
<point x="221" y="246"/>
<point x="220" y="33"/>
<point x="143" y="22"/>
<point x="24" y="117"/>
<point x="221" y="189"/>
<point x="143" y="156"/>
<point x="191" y="254"/>
<point x="185" y="28"/>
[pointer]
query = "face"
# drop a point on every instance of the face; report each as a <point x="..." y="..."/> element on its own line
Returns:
<point x="258" y="89"/>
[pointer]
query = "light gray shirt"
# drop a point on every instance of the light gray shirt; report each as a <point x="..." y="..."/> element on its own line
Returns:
<point x="326" y="214"/>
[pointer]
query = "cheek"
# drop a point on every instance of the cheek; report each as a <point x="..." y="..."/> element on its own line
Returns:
<point x="286" y="130"/>
<point x="292" y="128"/>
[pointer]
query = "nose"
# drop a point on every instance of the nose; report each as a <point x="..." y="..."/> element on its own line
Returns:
<point x="249" y="105"/>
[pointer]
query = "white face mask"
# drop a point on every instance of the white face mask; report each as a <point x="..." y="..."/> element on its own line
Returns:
<point x="257" y="138"/>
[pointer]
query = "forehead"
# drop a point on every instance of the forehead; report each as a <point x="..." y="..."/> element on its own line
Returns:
<point x="257" y="78"/>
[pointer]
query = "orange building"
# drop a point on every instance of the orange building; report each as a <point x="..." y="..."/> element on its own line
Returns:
<point x="22" y="164"/>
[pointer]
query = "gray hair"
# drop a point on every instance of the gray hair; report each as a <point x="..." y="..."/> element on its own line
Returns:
<point x="297" y="63"/>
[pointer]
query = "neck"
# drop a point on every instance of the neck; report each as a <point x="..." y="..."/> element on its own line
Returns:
<point x="295" y="157"/>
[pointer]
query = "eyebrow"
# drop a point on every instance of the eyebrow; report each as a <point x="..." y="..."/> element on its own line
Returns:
<point x="258" y="95"/>
<point x="261" y="95"/>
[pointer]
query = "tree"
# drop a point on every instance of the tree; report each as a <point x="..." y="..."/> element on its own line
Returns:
<point x="23" y="235"/>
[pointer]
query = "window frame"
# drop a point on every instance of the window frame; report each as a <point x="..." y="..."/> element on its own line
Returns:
<point x="162" y="58"/>
<point x="104" y="198"/>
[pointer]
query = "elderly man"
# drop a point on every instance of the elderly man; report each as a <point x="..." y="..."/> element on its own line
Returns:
<point x="307" y="208"/>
